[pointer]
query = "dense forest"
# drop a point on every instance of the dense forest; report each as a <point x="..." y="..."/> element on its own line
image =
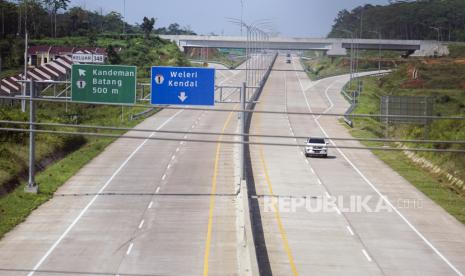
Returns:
<point x="419" y="19"/>
<point x="54" y="18"/>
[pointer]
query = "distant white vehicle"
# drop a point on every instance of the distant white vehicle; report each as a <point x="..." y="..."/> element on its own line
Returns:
<point x="316" y="147"/>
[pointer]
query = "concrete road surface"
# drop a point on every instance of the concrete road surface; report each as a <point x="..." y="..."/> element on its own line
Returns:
<point x="142" y="207"/>
<point x="304" y="238"/>
<point x="153" y="207"/>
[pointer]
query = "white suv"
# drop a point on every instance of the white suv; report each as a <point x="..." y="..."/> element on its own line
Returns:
<point x="316" y="147"/>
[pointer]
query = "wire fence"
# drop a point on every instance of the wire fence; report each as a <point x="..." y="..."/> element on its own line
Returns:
<point x="215" y="141"/>
<point x="58" y="100"/>
<point x="110" y="128"/>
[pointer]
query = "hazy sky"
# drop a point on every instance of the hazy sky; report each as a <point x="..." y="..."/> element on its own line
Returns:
<point x="297" y="18"/>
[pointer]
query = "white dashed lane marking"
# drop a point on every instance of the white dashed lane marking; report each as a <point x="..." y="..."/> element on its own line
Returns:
<point x="129" y="249"/>
<point x="350" y="230"/>
<point x="366" y="255"/>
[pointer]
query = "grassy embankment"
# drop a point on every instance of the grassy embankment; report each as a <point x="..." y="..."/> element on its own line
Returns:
<point x="443" y="80"/>
<point x="319" y="66"/>
<point x="230" y="60"/>
<point x="60" y="156"/>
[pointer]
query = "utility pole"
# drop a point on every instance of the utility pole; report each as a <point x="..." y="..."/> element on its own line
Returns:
<point x="23" y="102"/>
<point x="101" y="21"/>
<point x="19" y="18"/>
<point x="124" y="16"/>
<point x="242" y="16"/>
<point x="32" y="187"/>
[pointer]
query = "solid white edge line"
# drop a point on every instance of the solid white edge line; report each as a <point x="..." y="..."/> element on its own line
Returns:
<point x="366" y="255"/>
<point x="129" y="249"/>
<point x="350" y="230"/>
<point x="141" y="224"/>
<point x="319" y="181"/>
<point x="328" y="195"/>
<point x="76" y="220"/>
<point x="381" y="195"/>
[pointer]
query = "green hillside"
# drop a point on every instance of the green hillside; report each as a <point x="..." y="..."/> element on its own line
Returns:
<point x="404" y="20"/>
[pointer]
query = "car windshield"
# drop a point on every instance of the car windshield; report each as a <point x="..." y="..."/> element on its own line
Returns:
<point x="316" y="141"/>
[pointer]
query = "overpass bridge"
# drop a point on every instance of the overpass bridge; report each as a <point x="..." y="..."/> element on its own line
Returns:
<point x="332" y="46"/>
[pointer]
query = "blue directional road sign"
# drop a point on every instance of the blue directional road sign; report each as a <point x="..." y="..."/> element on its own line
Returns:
<point x="183" y="85"/>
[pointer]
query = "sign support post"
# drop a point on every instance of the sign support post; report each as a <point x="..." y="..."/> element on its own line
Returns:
<point x="32" y="187"/>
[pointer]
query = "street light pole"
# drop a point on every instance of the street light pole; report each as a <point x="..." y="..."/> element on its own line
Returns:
<point x="124" y="16"/>
<point x="351" y="55"/>
<point x="242" y="16"/>
<point x="379" y="50"/>
<point x="32" y="187"/>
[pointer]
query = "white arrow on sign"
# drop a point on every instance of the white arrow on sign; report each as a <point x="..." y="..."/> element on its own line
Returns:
<point x="82" y="73"/>
<point x="182" y="96"/>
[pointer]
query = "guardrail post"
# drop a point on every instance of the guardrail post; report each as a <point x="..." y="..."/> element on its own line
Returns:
<point x="32" y="187"/>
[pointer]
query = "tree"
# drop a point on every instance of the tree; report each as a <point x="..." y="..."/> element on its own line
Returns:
<point x="147" y="26"/>
<point x="403" y="19"/>
<point x="113" y="22"/>
<point x="174" y="29"/>
<point x="113" y="57"/>
<point x="54" y="6"/>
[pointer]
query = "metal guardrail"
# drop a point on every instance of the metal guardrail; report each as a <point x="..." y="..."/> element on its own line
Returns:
<point x="347" y="119"/>
<point x="353" y="105"/>
<point x="142" y="114"/>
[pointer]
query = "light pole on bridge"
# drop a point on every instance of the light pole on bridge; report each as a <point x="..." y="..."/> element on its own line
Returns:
<point x="351" y="55"/>
<point x="379" y="50"/>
